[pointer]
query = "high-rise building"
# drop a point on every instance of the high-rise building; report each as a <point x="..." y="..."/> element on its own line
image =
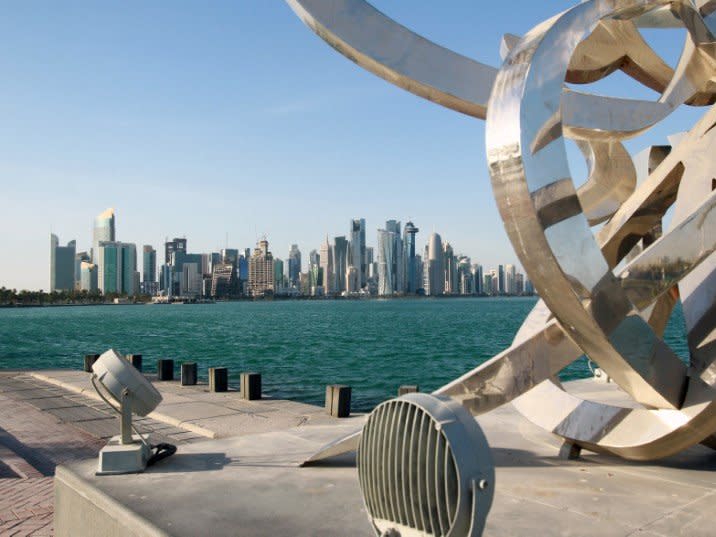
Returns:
<point x="177" y="245"/>
<point x="326" y="259"/>
<point x="80" y="257"/>
<point x="222" y="279"/>
<point x="149" y="264"/>
<point x="479" y="280"/>
<point x="190" y="281"/>
<point x="352" y="280"/>
<point x="62" y="265"/>
<point x="386" y="262"/>
<point x="500" y="280"/>
<point x="88" y="276"/>
<point x="340" y="258"/>
<point x="278" y="276"/>
<point x="294" y="265"/>
<point x="411" y="279"/>
<point x="358" y="249"/>
<point x="450" y="265"/>
<point x="510" y="280"/>
<point x="398" y="266"/>
<point x="117" y="268"/>
<point x="261" y="272"/>
<point x="435" y="270"/>
<point x="104" y="230"/>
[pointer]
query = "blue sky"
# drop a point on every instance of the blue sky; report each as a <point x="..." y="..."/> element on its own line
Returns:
<point x="200" y="119"/>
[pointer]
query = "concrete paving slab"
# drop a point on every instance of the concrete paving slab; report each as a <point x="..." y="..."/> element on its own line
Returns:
<point x="537" y="493"/>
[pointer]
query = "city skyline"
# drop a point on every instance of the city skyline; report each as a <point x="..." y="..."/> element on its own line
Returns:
<point x="338" y="267"/>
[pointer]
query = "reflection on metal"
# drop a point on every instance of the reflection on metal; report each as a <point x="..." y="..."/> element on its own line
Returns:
<point x="606" y="292"/>
<point x="425" y="468"/>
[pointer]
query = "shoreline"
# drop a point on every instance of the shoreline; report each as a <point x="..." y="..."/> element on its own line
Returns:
<point x="265" y="299"/>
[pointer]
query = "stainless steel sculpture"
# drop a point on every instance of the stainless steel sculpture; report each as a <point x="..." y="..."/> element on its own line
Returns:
<point x="607" y="276"/>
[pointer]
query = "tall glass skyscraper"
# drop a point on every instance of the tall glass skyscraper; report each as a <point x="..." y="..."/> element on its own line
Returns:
<point x="435" y="277"/>
<point x="104" y="230"/>
<point x="62" y="265"/>
<point x="386" y="261"/>
<point x="411" y="280"/>
<point x="357" y="249"/>
<point x="340" y="255"/>
<point x="294" y="265"/>
<point x="149" y="264"/>
<point x="117" y="268"/>
<point x="326" y="259"/>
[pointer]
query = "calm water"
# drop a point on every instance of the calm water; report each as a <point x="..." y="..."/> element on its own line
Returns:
<point x="298" y="346"/>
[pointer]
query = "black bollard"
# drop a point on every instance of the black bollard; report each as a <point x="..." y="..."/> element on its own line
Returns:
<point x="218" y="379"/>
<point x="408" y="388"/>
<point x="90" y="359"/>
<point x="165" y="369"/>
<point x="188" y="374"/>
<point x="251" y="386"/>
<point x="136" y="361"/>
<point x="338" y="400"/>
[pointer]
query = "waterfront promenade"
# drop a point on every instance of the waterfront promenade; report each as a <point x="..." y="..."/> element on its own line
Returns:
<point x="50" y="418"/>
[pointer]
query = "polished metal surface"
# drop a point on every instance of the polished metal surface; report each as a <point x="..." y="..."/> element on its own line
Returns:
<point x="606" y="260"/>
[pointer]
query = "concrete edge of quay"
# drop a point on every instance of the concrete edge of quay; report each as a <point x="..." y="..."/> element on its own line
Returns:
<point x="82" y="510"/>
<point x="191" y="427"/>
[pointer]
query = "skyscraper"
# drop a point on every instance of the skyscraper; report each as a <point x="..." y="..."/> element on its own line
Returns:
<point x="278" y="276"/>
<point x="294" y="265"/>
<point x="62" y="265"/>
<point x="88" y="276"/>
<point x="104" y="230"/>
<point x="435" y="277"/>
<point x="340" y="254"/>
<point x="500" y="280"/>
<point x="397" y="267"/>
<point x="149" y="264"/>
<point x="117" y="268"/>
<point x="357" y="249"/>
<point x="451" y="276"/>
<point x="411" y="279"/>
<point x="80" y="257"/>
<point x="261" y="272"/>
<point x="386" y="260"/>
<point x="326" y="259"/>
<point x="177" y="245"/>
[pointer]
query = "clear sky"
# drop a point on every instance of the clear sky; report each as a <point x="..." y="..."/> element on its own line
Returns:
<point x="200" y="119"/>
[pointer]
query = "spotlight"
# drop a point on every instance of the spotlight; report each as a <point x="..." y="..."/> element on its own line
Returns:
<point x="425" y="468"/>
<point x="126" y="453"/>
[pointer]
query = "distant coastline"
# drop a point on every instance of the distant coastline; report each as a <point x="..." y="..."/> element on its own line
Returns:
<point x="146" y="301"/>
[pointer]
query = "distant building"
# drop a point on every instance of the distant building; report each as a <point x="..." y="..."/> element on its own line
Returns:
<point x="357" y="249"/>
<point x="434" y="277"/>
<point x="278" y="275"/>
<point x="222" y="277"/>
<point x="412" y="282"/>
<point x="80" y="257"/>
<point x="386" y="276"/>
<point x="190" y="281"/>
<point x="104" y="231"/>
<point x="62" y="265"/>
<point x="500" y="280"/>
<point x="117" y="268"/>
<point x="340" y="255"/>
<point x="88" y="276"/>
<point x="450" y="266"/>
<point x="149" y="264"/>
<point x="326" y="260"/>
<point x="176" y="245"/>
<point x="352" y="280"/>
<point x="294" y="265"/>
<point x="261" y="271"/>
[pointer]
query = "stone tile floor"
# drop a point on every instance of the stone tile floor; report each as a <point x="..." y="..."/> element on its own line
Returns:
<point x="42" y="426"/>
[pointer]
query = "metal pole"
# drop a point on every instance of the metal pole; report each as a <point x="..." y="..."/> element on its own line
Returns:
<point x="125" y="424"/>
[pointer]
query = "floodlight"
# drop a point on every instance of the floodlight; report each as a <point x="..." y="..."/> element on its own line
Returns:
<point x="425" y="468"/>
<point x="126" y="453"/>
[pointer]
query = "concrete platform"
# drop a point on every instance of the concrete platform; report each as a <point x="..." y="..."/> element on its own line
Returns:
<point x="251" y="485"/>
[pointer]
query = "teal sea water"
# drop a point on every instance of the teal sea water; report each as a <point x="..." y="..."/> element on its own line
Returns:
<point x="298" y="346"/>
